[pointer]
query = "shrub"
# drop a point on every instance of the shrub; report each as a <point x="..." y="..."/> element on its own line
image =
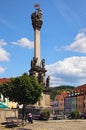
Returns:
<point x="74" y="114"/>
<point x="45" y="114"/>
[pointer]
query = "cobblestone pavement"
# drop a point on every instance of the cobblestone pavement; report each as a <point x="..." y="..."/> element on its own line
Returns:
<point x="52" y="125"/>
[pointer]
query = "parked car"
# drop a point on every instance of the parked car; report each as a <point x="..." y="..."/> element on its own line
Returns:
<point x="83" y="116"/>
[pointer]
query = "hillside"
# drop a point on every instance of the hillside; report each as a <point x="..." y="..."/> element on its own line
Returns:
<point x="59" y="89"/>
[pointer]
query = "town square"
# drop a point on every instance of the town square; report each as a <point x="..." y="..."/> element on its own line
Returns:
<point x="42" y="65"/>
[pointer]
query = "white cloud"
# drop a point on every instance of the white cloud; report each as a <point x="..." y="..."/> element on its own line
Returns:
<point x="4" y="55"/>
<point x="79" y="44"/>
<point x="24" y="42"/>
<point x="70" y="71"/>
<point x="2" y="69"/>
<point x="2" y="42"/>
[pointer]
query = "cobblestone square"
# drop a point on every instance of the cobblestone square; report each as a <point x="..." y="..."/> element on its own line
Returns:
<point x="52" y="125"/>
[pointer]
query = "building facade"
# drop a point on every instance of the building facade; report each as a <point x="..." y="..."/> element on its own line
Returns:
<point x="73" y="101"/>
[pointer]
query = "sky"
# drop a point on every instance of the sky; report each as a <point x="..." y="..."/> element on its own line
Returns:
<point x="63" y="39"/>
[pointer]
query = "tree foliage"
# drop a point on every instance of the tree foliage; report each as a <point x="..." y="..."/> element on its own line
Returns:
<point x="74" y="114"/>
<point x="45" y="114"/>
<point x="23" y="89"/>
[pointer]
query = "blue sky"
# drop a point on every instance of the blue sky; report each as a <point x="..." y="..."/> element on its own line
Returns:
<point x="63" y="39"/>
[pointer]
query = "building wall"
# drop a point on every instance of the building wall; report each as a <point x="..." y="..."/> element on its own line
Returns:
<point x="80" y="103"/>
<point x="61" y="104"/>
<point x="67" y="105"/>
<point x="12" y="104"/>
<point x="73" y="103"/>
<point x="85" y="103"/>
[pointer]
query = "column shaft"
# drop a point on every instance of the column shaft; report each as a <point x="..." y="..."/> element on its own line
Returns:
<point x="37" y="45"/>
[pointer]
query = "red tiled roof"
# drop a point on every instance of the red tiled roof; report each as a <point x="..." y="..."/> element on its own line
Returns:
<point x="64" y="94"/>
<point x="82" y="87"/>
<point x="58" y="96"/>
<point x="3" y="80"/>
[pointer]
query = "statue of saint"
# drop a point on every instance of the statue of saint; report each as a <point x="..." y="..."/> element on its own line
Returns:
<point x="37" y="18"/>
<point x="34" y="61"/>
<point x="40" y="77"/>
<point x="48" y="81"/>
<point x="43" y="63"/>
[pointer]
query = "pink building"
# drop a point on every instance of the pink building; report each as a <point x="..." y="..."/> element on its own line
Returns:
<point x="58" y="103"/>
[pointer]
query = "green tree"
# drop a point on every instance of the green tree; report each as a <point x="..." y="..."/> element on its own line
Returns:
<point x="74" y="114"/>
<point x="23" y="89"/>
<point x="45" y="114"/>
<point x="53" y="94"/>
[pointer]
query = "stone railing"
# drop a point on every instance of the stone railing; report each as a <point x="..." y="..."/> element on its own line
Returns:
<point x="7" y="113"/>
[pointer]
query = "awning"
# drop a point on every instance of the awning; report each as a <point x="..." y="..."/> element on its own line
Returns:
<point x="3" y="105"/>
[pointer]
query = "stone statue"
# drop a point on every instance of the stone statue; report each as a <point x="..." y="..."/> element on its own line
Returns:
<point x="40" y="78"/>
<point x="48" y="81"/>
<point x="37" y="19"/>
<point x="39" y="14"/>
<point x="43" y="63"/>
<point x="31" y="63"/>
<point x="34" y="61"/>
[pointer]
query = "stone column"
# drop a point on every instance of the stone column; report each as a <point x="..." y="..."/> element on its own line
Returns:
<point x="37" y="46"/>
<point x="36" y="18"/>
